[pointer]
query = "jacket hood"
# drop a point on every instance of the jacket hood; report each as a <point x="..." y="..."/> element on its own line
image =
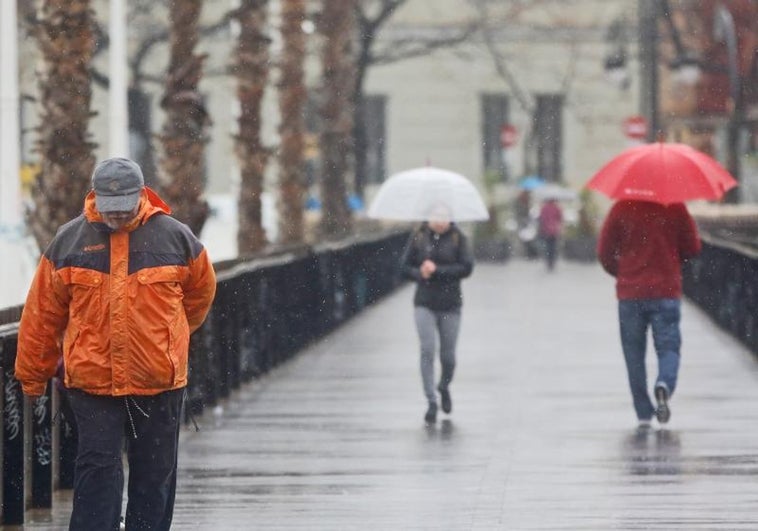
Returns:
<point x="150" y="204"/>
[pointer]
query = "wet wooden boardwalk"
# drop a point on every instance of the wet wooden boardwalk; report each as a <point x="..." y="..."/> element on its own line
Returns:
<point x="542" y="434"/>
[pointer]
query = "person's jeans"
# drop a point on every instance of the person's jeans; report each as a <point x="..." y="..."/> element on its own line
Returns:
<point x="551" y="250"/>
<point x="429" y="324"/>
<point x="663" y="317"/>
<point x="151" y="426"/>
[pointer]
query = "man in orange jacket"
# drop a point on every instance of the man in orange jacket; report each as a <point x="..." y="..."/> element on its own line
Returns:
<point x="117" y="294"/>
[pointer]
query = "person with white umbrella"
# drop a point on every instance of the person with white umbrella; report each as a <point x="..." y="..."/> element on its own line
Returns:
<point x="437" y="257"/>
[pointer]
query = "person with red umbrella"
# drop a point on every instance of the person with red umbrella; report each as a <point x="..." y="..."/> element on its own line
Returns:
<point x="645" y="238"/>
<point x="550" y="226"/>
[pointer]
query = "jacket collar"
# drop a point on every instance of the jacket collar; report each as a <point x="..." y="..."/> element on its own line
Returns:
<point x="150" y="205"/>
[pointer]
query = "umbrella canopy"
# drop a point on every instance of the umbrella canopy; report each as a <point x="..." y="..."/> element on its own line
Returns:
<point x="662" y="173"/>
<point x="414" y="195"/>
<point x="531" y="182"/>
<point x="554" y="191"/>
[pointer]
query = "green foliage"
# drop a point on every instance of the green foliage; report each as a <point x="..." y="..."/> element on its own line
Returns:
<point x="491" y="179"/>
<point x="492" y="227"/>
<point x="491" y="240"/>
<point x="586" y="225"/>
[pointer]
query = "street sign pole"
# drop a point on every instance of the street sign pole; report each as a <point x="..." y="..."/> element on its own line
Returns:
<point x="508" y="138"/>
<point x="635" y="128"/>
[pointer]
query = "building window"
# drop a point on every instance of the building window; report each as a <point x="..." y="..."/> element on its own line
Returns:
<point x="494" y="117"/>
<point x="374" y="118"/>
<point x="548" y="136"/>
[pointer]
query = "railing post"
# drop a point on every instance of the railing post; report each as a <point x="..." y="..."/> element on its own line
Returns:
<point x="225" y="330"/>
<point x="198" y="391"/>
<point x="67" y="441"/>
<point x="245" y="338"/>
<point x="13" y="438"/>
<point x="42" y="451"/>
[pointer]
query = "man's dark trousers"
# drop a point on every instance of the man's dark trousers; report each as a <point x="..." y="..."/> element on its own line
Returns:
<point x="150" y="425"/>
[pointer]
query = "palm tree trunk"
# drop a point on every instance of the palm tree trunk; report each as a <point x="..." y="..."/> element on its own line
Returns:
<point x="292" y="96"/>
<point x="66" y="40"/>
<point x="337" y="26"/>
<point x="184" y="130"/>
<point x="252" y="70"/>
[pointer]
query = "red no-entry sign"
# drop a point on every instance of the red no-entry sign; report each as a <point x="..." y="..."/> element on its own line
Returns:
<point x="635" y="127"/>
<point x="508" y="135"/>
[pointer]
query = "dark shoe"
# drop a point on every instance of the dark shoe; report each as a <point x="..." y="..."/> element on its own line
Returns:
<point x="431" y="414"/>
<point x="662" y="412"/>
<point x="447" y="402"/>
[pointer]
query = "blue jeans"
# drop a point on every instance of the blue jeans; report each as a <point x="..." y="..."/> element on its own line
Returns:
<point x="663" y="317"/>
<point x="551" y="250"/>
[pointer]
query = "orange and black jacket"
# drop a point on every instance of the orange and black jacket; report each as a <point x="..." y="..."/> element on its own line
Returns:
<point x="119" y="306"/>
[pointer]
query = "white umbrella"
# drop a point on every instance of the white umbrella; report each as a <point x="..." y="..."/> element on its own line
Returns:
<point x="413" y="195"/>
<point x="554" y="191"/>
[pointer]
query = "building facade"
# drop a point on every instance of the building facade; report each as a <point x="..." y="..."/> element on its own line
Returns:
<point x="715" y="108"/>
<point x="535" y="72"/>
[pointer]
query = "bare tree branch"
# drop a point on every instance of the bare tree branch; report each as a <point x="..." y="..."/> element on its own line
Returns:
<point x="371" y="23"/>
<point x="146" y="45"/>
<point x="403" y="49"/>
<point x="501" y="67"/>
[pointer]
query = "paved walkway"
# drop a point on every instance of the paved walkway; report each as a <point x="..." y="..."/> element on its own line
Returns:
<point x="542" y="435"/>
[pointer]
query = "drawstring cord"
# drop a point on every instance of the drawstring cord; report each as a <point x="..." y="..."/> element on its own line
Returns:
<point x="59" y="417"/>
<point x="129" y="412"/>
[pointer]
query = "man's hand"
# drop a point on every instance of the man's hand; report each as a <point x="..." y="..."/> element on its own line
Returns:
<point x="427" y="269"/>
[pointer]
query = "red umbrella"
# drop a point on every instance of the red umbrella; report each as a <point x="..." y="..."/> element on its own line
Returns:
<point x="662" y="172"/>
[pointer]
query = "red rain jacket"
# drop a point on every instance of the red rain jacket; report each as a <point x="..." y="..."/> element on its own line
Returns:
<point x="643" y="245"/>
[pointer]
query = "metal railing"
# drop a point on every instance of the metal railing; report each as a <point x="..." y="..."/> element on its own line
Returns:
<point x="723" y="281"/>
<point x="265" y="310"/>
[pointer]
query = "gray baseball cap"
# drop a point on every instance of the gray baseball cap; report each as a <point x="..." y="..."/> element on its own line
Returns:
<point x="117" y="183"/>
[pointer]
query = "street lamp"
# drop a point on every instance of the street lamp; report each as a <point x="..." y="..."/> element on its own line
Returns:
<point x="724" y="30"/>
<point x="686" y="69"/>
<point x="615" y="61"/>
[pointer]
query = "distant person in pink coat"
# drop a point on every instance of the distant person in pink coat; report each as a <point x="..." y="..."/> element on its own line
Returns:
<point x="550" y="226"/>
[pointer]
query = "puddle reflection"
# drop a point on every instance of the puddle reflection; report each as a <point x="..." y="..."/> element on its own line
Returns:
<point x="444" y="431"/>
<point x="653" y="452"/>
